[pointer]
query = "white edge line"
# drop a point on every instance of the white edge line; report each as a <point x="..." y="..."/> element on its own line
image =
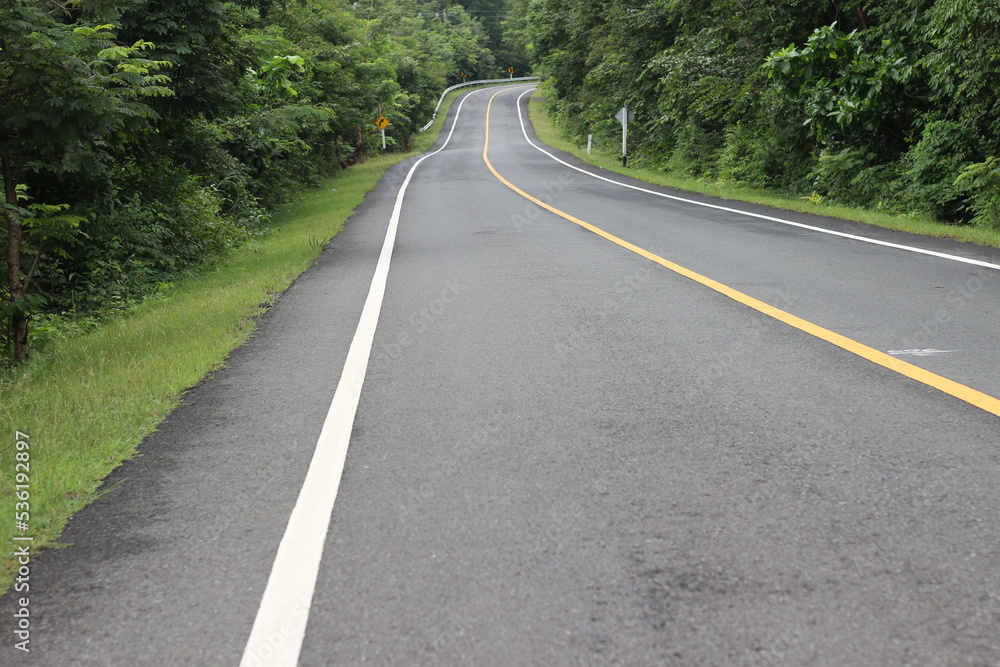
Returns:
<point x="853" y="237"/>
<point x="280" y="624"/>
<point x="478" y="82"/>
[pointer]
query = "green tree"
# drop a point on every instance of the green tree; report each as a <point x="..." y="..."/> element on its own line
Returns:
<point x="131" y="178"/>
<point x="845" y="90"/>
<point x="518" y="36"/>
<point x="963" y="64"/>
<point x="68" y="92"/>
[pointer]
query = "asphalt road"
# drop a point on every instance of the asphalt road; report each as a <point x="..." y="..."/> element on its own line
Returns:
<point x="565" y="453"/>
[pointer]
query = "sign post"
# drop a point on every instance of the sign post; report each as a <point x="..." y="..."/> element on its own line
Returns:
<point x="381" y="123"/>
<point x="624" y="116"/>
<point x="510" y="70"/>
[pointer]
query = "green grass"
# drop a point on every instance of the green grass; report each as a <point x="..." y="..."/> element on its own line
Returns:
<point x="926" y="226"/>
<point x="88" y="401"/>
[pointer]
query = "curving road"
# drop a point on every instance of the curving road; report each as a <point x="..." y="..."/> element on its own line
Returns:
<point x="593" y="425"/>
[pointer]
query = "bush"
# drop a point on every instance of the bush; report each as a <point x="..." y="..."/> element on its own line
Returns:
<point x="158" y="222"/>
<point x="934" y="163"/>
<point x="981" y="183"/>
<point x="834" y="173"/>
<point x="758" y="154"/>
<point x="695" y="151"/>
<point x="880" y="187"/>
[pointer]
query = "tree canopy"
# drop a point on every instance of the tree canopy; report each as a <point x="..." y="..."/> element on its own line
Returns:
<point x="139" y="139"/>
<point x="891" y="105"/>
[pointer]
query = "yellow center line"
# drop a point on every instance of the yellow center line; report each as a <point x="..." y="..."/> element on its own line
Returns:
<point x="972" y="396"/>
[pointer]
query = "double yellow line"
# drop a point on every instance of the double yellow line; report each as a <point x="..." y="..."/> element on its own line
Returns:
<point x="972" y="396"/>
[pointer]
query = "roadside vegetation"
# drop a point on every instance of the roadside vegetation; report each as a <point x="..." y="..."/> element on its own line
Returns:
<point x="88" y="399"/>
<point x="140" y="139"/>
<point x="885" y="106"/>
<point x="167" y="171"/>
<point x="153" y="158"/>
<point x="610" y="160"/>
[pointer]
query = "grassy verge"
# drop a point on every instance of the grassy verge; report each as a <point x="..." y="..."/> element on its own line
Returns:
<point x="926" y="226"/>
<point x="87" y="402"/>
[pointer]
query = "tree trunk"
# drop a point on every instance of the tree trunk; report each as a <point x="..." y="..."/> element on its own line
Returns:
<point x="337" y="154"/>
<point x="360" y="155"/>
<point x="18" y="319"/>
<point x="862" y="18"/>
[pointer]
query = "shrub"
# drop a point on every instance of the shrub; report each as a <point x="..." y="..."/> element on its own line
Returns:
<point x="158" y="221"/>
<point x="695" y="151"/>
<point x="756" y="153"/>
<point x="981" y="183"/>
<point x="934" y="163"/>
<point x="833" y="174"/>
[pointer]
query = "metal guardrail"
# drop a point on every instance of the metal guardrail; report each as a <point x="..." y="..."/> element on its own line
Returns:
<point x="473" y="83"/>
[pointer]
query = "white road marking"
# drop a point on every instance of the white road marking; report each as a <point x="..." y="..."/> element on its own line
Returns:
<point x="280" y="625"/>
<point x="918" y="353"/>
<point x="782" y="221"/>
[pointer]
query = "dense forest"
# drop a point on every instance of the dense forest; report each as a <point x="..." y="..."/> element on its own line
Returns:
<point x="139" y="139"/>
<point x="891" y="105"/>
